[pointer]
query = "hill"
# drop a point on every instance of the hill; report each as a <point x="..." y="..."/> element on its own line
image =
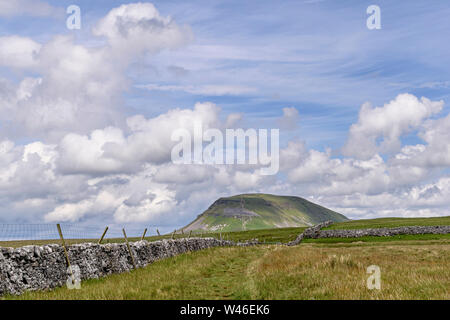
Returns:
<point x="261" y="211"/>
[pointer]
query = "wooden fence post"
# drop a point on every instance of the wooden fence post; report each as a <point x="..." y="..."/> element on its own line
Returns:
<point x="103" y="235"/>
<point x="65" y="251"/>
<point x="173" y="234"/>
<point x="190" y="233"/>
<point x="129" y="248"/>
<point x="143" y="236"/>
<point x="159" y="234"/>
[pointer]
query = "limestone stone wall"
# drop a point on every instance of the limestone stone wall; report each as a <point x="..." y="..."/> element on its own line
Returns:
<point x="45" y="267"/>
<point x="315" y="232"/>
<point x="380" y="232"/>
<point x="310" y="232"/>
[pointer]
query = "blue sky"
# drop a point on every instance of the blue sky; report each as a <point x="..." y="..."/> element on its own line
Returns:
<point x="256" y="58"/>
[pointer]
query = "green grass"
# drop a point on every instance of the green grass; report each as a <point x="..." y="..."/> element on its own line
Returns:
<point x="282" y="235"/>
<point x="390" y="223"/>
<point x="308" y="271"/>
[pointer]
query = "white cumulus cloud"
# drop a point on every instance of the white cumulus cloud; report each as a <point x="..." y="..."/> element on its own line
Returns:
<point x="138" y="27"/>
<point x="401" y="115"/>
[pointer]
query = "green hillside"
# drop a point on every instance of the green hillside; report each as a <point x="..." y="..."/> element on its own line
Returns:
<point x="261" y="211"/>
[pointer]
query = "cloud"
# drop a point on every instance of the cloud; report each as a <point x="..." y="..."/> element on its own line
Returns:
<point x="292" y="155"/>
<point x="28" y="175"/>
<point x="139" y="28"/>
<point x="110" y="151"/>
<point x="162" y="201"/>
<point x="206" y="90"/>
<point x="126" y="176"/>
<point x="423" y="200"/>
<point x="233" y="119"/>
<point x="34" y="8"/>
<point x="436" y="134"/>
<point x="435" y="152"/>
<point x="150" y="139"/>
<point x="85" y="154"/>
<point x="184" y="174"/>
<point x="320" y="174"/>
<point x="18" y="52"/>
<point x="79" y="88"/>
<point x="350" y="185"/>
<point x="401" y="115"/>
<point x="69" y="212"/>
<point x="290" y="119"/>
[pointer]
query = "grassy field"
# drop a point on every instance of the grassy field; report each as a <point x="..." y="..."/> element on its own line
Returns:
<point x="409" y="270"/>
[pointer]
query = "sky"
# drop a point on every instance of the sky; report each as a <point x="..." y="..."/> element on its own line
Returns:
<point x="86" y="115"/>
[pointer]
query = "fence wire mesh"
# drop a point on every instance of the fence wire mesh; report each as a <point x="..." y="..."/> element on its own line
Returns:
<point x="18" y="235"/>
<point x="43" y="232"/>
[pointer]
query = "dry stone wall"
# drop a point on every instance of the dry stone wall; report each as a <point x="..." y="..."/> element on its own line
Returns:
<point x="45" y="267"/>
<point x="380" y="232"/>
<point x="309" y="232"/>
<point x="315" y="232"/>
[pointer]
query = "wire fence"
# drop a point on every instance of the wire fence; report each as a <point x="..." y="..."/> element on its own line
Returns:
<point x="16" y="235"/>
<point x="47" y="232"/>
